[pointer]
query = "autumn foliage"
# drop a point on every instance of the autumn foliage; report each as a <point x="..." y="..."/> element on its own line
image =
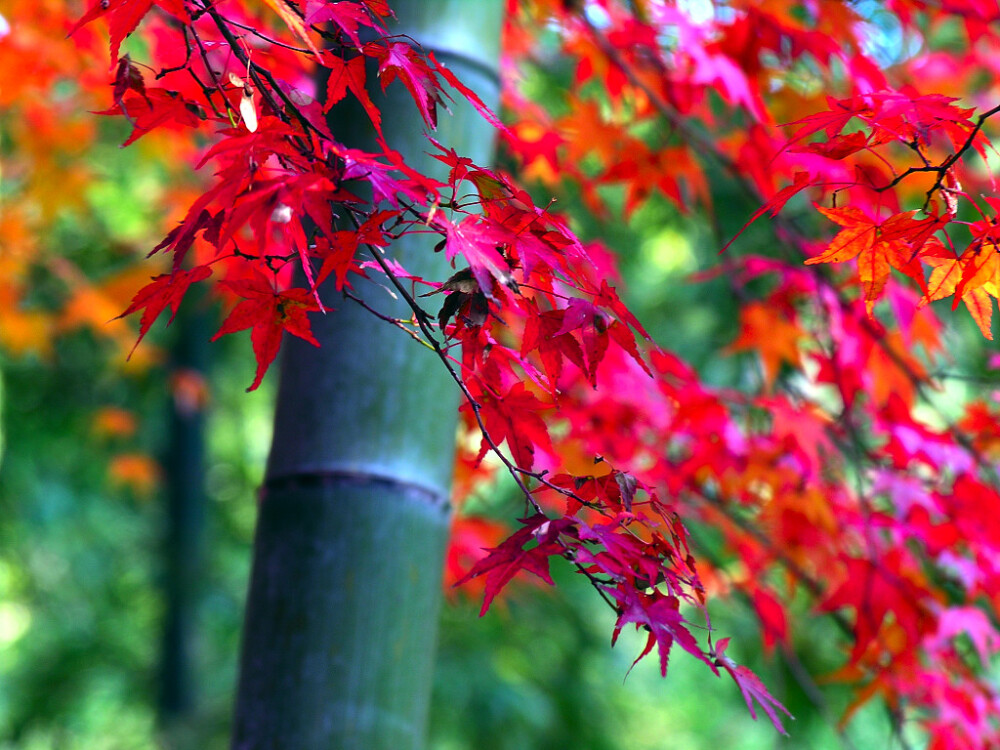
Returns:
<point x="863" y="139"/>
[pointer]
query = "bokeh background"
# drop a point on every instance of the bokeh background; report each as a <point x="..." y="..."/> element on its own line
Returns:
<point x="121" y="600"/>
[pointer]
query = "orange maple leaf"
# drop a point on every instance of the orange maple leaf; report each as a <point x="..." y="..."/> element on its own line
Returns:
<point x="973" y="278"/>
<point x="878" y="246"/>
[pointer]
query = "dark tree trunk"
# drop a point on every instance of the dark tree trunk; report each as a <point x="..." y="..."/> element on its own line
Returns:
<point x="184" y="471"/>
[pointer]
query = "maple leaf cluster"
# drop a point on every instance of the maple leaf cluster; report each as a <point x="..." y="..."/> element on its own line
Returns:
<point x="824" y="480"/>
<point x="811" y="478"/>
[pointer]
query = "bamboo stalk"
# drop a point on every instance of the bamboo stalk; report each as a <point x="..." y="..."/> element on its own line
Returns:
<point x="344" y="597"/>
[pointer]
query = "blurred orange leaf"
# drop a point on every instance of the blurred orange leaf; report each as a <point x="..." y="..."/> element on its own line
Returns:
<point x="766" y="330"/>
<point x="135" y="471"/>
<point x="112" y="421"/>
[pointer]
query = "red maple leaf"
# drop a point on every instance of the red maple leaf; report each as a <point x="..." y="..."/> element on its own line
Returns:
<point x="832" y="121"/>
<point x="269" y="313"/>
<point x="468" y="542"/>
<point x="400" y="60"/>
<point x="876" y="590"/>
<point x="349" y="75"/>
<point x="478" y="239"/>
<point x="751" y="687"/>
<point x="661" y="617"/>
<point x="349" y="16"/>
<point x="529" y="548"/>
<point x="542" y="331"/>
<point x="164" y="290"/>
<point x="838" y="147"/>
<point x="154" y="108"/>
<point x="515" y="418"/>
<point x="125" y="15"/>
<point x="469" y="94"/>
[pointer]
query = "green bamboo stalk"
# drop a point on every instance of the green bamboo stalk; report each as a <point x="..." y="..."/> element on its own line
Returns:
<point x="344" y="597"/>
